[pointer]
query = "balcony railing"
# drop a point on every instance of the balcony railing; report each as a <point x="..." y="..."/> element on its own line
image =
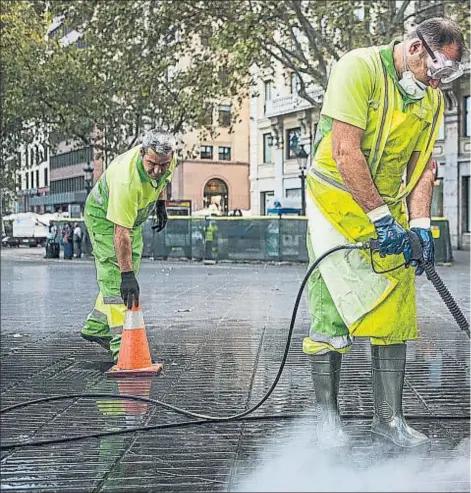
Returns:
<point x="291" y="103"/>
<point x="77" y="197"/>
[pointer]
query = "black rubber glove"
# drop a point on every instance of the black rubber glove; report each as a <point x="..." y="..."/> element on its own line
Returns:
<point x="392" y="237"/>
<point x="162" y="217"/>
<point x="428" y="248"/>
<point x="129" y="289"/>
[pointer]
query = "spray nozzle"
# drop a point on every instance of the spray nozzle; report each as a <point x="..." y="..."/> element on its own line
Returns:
<point x="415" y="243"/>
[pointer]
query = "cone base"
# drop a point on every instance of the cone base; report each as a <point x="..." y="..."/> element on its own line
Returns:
<point x="150" y="371"/>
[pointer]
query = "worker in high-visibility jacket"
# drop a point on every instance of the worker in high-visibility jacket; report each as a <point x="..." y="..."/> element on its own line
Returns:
<point x="379" y="122"/>
<point x="210" y="239"/>
<point x="120" y="202"/>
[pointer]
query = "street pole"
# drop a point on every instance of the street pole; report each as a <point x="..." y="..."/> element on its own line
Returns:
<point x="88" y="179"/>
<point x="302" y="157"/>
<point x="303" y="192"/>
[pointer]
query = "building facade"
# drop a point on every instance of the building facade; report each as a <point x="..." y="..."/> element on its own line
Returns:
<point x="452" y="158"/>
<point x="58" y="182"/>
<point x="33" y="179"/>
<point x="217" y="179"/>
<point x="72" y="174"/>
<point x="280" y="121"/>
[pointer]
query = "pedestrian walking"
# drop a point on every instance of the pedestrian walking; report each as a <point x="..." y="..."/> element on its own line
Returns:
<point x="67" y="241"/>
<point x="77" y="238"/>
<point x="52" y="243"/>
<point x="379" y="121"/>
<point x="117" y="206"/>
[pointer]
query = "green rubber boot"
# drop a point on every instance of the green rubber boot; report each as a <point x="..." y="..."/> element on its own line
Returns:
<point x="388" y="370"/>
<point x="325" y="371"/>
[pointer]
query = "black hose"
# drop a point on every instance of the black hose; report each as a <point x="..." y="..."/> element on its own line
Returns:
<point x="446" y="296"/>
<point x="183" y="424"/>
<point x="206" y="419"/>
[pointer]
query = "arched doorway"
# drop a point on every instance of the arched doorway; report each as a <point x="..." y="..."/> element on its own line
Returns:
<point x="215" y="196"/>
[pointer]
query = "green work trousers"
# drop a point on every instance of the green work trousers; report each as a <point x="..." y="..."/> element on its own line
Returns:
<point x="107" y="317"/>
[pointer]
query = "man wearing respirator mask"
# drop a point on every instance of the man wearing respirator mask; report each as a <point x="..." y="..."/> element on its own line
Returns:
<point x="120" y="202"/>
<point x="379" y="122"/>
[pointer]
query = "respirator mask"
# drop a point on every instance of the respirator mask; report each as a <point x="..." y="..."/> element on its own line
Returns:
<point x="411" y="86"/>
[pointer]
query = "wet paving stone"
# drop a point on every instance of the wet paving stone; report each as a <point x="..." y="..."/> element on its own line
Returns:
<point x="220" y="332"/>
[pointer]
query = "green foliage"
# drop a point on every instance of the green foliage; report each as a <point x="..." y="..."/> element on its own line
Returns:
<point x="44" y="86"/>
<point x="150" y="72"/>
<point x="20" y="44"/>
<point x="136" y="67"/>
<point x="306" y="36"/>
<point x="140" y="62"/>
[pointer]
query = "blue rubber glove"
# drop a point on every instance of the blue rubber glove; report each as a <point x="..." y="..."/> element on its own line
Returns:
<point x="428" y="249"/>
<point x="392" y="237"/>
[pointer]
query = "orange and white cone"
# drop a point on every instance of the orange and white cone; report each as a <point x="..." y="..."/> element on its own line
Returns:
<point x="134" y="355"/>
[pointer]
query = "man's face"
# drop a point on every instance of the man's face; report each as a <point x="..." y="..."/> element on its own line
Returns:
<point x="418" y="60"/>
<point x="156" y="165"/>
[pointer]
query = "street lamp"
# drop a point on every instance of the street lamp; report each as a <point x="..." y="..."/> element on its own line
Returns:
<point x="88" y="172"/>
<point x="302" y="157"/>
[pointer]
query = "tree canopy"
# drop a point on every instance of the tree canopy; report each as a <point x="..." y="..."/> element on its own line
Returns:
<point x="161" y="63"/>
<point x="304" y="36"/>
<point x="132" y="67"/>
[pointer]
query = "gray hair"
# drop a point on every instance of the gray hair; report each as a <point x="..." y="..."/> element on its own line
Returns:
<point x="439" y="32"/>
<point x="160" y="142"/>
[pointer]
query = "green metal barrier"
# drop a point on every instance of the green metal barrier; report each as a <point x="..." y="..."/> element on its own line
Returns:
<point x="265" y="239"/>
<point x="442" y="240"/>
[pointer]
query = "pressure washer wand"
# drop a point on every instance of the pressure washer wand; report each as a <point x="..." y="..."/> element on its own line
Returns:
<point x="433" y="277"/>
<point x="446" y="296"/>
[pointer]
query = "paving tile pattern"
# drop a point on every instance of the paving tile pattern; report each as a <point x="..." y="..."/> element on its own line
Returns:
<point x="220" y="332"/>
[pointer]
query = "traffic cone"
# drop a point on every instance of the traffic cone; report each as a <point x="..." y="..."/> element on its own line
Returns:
<point x="134" y="355"/>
